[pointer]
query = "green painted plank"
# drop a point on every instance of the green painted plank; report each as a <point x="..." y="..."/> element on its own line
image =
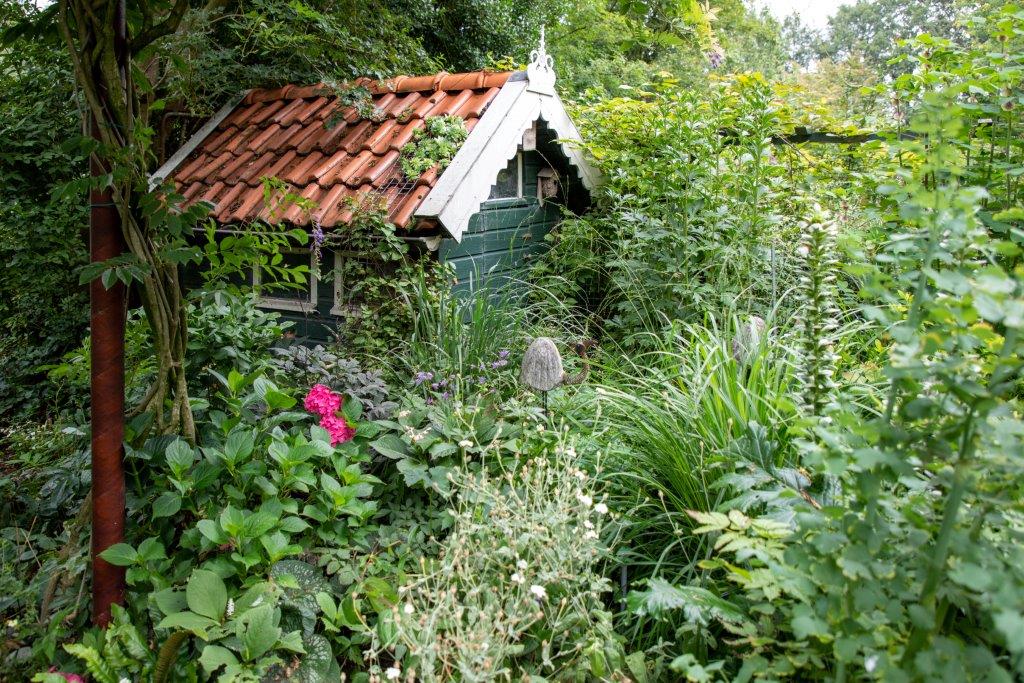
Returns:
<point x="495" y="241"/>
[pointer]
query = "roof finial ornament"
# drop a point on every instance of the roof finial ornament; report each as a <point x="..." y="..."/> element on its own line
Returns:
<point x="541" y="70"/>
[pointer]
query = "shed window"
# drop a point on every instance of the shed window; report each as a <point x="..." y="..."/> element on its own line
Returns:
<point x="509" y="184"/>
<point x="348" y="266"/>
<point x="282" y="295"/>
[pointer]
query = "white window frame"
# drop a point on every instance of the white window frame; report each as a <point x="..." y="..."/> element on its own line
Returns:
<point x="282" y="304"/>
<point x="337" y="307"/>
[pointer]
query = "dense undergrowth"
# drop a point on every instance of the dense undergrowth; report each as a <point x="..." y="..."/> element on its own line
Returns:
<point x="798" y="453"/>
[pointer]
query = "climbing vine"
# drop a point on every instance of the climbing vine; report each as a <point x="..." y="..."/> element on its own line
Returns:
<point x="377" y="274"/>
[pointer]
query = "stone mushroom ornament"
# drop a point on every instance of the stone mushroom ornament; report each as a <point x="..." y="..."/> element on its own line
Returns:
<point x="542" y="366"/>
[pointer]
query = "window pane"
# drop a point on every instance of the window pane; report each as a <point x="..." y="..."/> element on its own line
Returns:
<point x="507" y="184"/>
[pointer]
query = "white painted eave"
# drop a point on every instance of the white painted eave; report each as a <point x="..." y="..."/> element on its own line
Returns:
<point x="466" y="183"/>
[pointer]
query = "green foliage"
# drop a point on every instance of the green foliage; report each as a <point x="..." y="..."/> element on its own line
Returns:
<point x="692" y="219"/>
<point x="304" y="366"/>
<point x="42" y="308"/>
<point x="908" y="569"/>
<point x="433" y="146"/>
<point x="514" y="591"/>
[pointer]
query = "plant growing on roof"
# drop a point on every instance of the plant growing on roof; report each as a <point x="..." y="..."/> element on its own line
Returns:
<point x="435" y="144"/>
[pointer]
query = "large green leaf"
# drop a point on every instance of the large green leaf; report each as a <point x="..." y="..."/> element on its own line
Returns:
<point x="316" y="665"/>
<point x="261" y="632"/>
<point x="390" y="446"/>
<point x="206" y="594"/>
<point x="214" y="657"/>
<point x="166" y="505"/>
<point x="190" y="621"/>
<point x="121" y="555"/>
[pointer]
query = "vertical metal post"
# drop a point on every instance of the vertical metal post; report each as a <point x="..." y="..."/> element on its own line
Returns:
<point x="107" y="322"/>
<point x="107" y="311"/>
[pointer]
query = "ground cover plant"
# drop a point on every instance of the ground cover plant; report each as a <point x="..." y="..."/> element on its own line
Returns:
<point x="797" y="454"/>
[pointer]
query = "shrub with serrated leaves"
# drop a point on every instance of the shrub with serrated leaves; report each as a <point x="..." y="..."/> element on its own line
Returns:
<point x="232" y="539"/>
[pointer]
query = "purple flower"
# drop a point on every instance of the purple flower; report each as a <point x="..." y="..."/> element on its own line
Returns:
<point x="716" y="57"/>
<point x="499" y="364"/>
<point x="445" y="395"/>
<point x="318" y="234"/>
<point x="422" y="377"/>
<point x="481" y="379"/>
<point x="503" y="354"/>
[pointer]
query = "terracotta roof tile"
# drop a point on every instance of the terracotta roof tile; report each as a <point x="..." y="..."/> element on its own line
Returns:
<point x="282" y="133"/>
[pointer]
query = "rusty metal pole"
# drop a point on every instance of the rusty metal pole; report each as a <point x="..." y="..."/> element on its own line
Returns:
<point x="107" y="322"/>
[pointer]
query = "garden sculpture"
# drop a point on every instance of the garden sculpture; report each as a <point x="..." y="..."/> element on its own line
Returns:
<point x="542" y="366"/>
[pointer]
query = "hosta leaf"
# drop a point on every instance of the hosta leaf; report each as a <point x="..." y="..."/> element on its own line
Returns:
<point x="206" y="594"/>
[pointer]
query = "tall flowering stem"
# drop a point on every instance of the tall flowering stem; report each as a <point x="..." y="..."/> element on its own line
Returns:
<point x="817" y="292"/>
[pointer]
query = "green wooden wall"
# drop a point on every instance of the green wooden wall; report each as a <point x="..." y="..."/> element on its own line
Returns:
<point x="504" y="237"/>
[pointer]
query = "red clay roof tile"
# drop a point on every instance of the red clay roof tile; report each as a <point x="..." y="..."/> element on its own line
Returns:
<point x="282" y="133"/>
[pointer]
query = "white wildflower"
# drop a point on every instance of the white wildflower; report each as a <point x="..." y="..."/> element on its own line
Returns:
<point x="539" y="591"/>
<point x="590" y="535"/>
<point x="585" y="499"/>
<point x="870" y="663"/>
<point x="408" y="609"/>
<point x="518" y="578"/>
<point x="466" y="443"/>
<point x="587" y="523"/>
<point x="521" y="564"/>
<point x="231" y="607"/>
<point x="404" y="413"/>
<point x="540" y="428"/>
<point x="392" y="673"/>
<point x="601" y="509"/>
<point x="125" y="680"/>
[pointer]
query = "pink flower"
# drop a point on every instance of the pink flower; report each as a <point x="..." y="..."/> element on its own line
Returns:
<point x="70" y="678"/>
<point x="322" y="401"/>
<point x="338" y="428"/>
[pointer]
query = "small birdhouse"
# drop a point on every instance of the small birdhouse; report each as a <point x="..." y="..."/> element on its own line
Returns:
<point x="547" y="183"/>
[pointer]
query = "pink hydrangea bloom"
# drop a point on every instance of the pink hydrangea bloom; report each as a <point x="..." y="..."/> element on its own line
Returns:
<point x="338" y="428"/>
<point x="322" y="401"/>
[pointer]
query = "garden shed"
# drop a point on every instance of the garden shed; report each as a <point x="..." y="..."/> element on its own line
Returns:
<point x="486" y="212"/>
